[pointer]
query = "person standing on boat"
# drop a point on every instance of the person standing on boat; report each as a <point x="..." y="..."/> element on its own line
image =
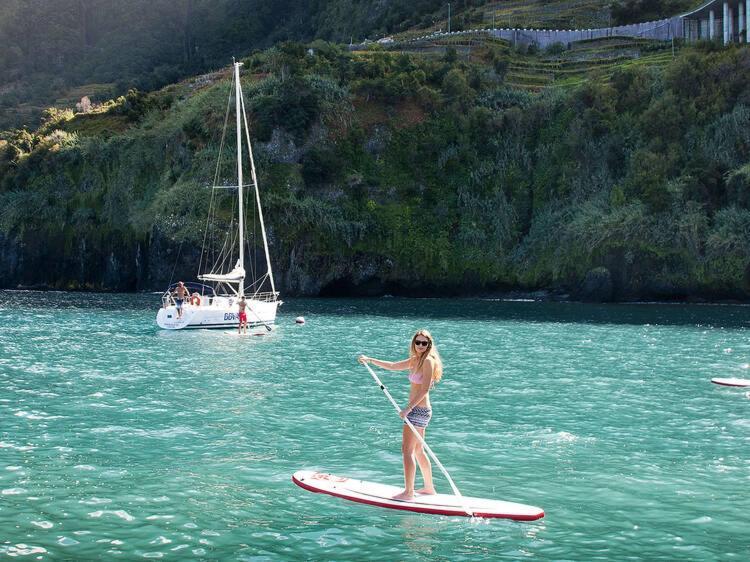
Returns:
<point x="180" y="294"/>
<point x="243" y="315"/>
<point x="425" y="369"/>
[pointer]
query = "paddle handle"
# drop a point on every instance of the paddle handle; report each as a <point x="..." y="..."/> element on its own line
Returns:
<point x="419" y="437"/>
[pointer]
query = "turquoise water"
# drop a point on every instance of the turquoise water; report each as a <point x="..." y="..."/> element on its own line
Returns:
<point x="120" y="441"/>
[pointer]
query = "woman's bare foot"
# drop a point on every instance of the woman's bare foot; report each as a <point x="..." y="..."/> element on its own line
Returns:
<point x="404" y="496"/>
<point x="426" y="492"/>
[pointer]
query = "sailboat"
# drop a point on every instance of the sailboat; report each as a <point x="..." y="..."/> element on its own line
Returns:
<point x="213" y="303"/>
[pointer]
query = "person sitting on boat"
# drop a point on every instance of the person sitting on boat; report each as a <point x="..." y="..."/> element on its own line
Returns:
<point x="180" y="294"/>
<point x="243" y="315"/>
<point x="425" y="369"/>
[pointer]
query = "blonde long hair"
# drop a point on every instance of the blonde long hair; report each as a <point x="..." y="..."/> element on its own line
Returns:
<point x="437" y="371"/>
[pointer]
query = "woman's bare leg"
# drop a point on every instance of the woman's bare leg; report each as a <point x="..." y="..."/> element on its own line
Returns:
<point x="408" y="444"/>
<point x="425" y="466"/>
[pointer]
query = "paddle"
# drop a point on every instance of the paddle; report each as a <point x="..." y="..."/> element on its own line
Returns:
<point x="422" y="441"/>
<point x="268" y="328"/>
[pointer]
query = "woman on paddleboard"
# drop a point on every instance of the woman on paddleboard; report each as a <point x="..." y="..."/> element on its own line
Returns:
<point x="425" y="369"/>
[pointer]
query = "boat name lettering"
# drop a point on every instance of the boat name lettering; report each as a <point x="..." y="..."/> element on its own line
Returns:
<point x="230" y="316"/>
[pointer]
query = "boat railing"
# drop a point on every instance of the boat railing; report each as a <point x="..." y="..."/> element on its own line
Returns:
<point x="265" y="297"/>
<point x="168" y="299"/>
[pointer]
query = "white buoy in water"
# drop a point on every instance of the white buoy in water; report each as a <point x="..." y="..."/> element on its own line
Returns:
<point x="300" y="320"/>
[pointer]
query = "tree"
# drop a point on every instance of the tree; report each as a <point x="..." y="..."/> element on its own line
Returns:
<point x="456" y="88"/>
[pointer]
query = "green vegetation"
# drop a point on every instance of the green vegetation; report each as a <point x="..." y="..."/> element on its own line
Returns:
<point x="634" y="11"/>
<point x="417" y="172"/>
<point x="55" y="52"/>
<point x="527" y="68"/>
<point x="543" y="14"/>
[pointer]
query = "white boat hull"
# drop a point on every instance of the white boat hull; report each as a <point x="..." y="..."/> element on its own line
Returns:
<point x="221" y="312"/>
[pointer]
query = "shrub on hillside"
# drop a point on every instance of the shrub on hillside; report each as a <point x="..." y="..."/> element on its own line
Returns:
<point x="635" y="11"/>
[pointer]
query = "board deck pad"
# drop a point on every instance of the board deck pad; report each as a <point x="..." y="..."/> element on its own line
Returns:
<point x="731" y="382"/>
<point x="380" y="495"/>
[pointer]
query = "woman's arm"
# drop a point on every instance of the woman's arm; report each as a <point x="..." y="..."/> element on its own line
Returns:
<point x="387" y="365"/>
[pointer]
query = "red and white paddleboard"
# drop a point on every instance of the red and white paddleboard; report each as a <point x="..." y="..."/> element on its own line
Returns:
<point x="731" y="382"/>
<point x="380" y="495"/>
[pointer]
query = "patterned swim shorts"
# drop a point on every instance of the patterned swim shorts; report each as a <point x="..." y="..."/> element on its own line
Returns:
<point x="419" y="417"/>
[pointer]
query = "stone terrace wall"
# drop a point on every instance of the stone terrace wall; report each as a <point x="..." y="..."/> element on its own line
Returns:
<point x="664" y="30"/>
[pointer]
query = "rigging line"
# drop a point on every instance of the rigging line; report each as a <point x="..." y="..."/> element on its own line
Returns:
<point x="259" y="283"/>
<point x="206" y="230"/>
<point x="256" y="285"/>
<point x="226" y="250"/>
<point x="249" y="255"/>
<point x="255" y="238"/>
<point x="257" y="195"/>
<point x="176" y="260"/>
<point x="220" y="262"/>
<point x="235" y="233"/>
<point x="223" y="249"/>
<point x="216" y="173"/>
<point x="251" y="236"/>
<point x="232" y="242"/>
<point x="255" y="234"/>
<point x="249" y="265"/>
<point x="254" y="260"/>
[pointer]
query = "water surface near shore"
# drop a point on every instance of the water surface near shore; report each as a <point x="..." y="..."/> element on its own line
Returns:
<point x="121" y="441"/>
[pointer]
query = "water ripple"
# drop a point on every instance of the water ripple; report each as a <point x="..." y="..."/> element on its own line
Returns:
<point x="123" y="441"/>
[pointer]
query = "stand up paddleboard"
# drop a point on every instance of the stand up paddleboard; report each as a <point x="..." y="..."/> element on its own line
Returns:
<point x="234" y="333"/>
<point x="381" y="495"/>
<point x="731" y="382"/>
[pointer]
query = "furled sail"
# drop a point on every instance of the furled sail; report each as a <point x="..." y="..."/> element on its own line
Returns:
<point x="237" y="275"/>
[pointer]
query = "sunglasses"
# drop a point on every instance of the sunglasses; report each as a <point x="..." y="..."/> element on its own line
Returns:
<point x="421" y="343"/>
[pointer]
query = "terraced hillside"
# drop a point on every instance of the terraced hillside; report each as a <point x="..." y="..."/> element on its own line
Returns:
<point x="596" y="59"/>
<point x="535" y="70"/>
<point x="532" y="14"/>
<point x="543" y="14"/>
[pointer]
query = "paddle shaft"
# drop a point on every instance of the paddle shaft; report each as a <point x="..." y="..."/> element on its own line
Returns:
<point x="268" y="328"/>
<point x="419" y="437"/>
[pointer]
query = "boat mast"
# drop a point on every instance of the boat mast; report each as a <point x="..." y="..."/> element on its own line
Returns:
<point x="238" y="94"/>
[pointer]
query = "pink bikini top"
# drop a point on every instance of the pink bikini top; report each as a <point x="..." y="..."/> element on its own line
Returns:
<point x="416" y="378"/>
